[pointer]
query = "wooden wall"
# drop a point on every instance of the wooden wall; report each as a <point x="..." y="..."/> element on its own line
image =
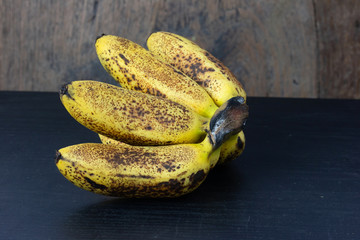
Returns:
<point x="280" y="48"/>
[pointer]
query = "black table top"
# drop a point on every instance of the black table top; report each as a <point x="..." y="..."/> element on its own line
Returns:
<point x="299" y="178"/>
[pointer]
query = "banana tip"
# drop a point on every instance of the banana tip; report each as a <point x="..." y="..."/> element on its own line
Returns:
<point x="228" y="120"/>
<point x="64" y="90"/>
<point x="57" y="157"/>
<point x="103" y="34"/>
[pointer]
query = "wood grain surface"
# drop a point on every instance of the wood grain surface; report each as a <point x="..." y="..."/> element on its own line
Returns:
<point x="276" y="48"/>
<point x="338" y="25"/>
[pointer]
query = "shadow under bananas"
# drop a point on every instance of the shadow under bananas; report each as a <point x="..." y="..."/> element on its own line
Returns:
<point x="197" y="212"/>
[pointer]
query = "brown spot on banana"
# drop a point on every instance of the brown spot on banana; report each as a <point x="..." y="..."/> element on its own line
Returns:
<point x="197" y="178"/>
<point x="95" y="185"/>
<point x="126" y="61"/>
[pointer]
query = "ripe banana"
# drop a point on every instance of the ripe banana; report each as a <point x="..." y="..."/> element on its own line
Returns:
<point x="199" y="64"/>
<point x="137" y="171"/>
<point x="132" y="117"/>
<point x="150" y="171"/>
<point x="135" y="68"/>
<point x="206" y="70"/>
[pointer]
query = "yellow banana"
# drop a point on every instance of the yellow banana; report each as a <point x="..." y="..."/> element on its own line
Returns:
<point x="232" y="148"/>
<point x="135" y="68"/>
<point x="137" y="171"/>
<point x="199" y="64"/>
<point x="207" y="71"/>
<point x="151" y="171"/>
<point x="132" y="117"/>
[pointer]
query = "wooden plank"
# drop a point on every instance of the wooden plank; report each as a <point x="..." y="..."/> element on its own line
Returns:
<point x="338" y="25"/>
<point x="269" y="45"/>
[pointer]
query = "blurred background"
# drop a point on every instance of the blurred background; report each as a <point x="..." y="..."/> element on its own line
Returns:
<point x="276" y="48"/>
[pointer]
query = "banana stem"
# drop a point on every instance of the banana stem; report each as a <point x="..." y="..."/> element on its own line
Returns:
<point x="228" y="120"/>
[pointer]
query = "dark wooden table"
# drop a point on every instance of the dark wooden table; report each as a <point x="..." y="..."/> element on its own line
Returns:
<point x="299" y="178"/>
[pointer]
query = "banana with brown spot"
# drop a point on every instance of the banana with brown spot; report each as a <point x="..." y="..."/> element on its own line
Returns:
<point x="136" y="68"/>
<point x="131" y="117"/>
<point x="197" y="63"/>
<point x="137" y="171"/>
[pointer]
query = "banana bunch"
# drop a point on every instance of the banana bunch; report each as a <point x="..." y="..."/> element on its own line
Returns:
<point x="178" y="113"/>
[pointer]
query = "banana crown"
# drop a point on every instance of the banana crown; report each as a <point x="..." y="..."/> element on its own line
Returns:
<point x="228" y="120"/>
